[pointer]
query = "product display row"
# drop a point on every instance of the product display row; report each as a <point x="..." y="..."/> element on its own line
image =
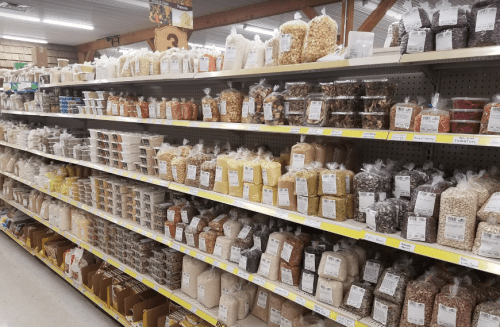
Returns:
<point x="362" y="279"/>
<point x="425" y="203"/>
<point x="346" y="103"/>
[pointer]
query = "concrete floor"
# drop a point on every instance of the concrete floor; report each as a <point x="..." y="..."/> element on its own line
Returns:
<point x="32" y="295"/>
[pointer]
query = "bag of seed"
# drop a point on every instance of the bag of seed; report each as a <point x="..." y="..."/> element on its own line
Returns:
<point x="484" y="25"/>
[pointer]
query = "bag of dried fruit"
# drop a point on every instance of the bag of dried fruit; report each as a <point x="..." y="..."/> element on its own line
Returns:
<point x="435" y="119"/>
<point x="321" y="37"/>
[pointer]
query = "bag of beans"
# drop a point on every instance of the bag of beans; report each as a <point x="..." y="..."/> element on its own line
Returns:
<point x="369" y="187"/>
<point x="457" y="216"/>
<point x="451" y="309"/>
<point x="391" y="286"/>
<point x="418" y="303"/>
<point x="382" y="217"/>
<point x="358" y="299"/>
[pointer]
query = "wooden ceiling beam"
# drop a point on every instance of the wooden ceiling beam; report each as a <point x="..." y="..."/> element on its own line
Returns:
<point x="376" y="15"/>
<point x="238" y="15"/>
<point x="310" y="12"/>
<point x="346" y="22"/>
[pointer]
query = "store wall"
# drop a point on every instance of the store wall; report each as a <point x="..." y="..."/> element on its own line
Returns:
<point x="16" y="51"/>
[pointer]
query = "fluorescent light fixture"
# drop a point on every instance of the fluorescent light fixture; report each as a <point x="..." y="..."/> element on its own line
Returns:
<point x="25" y="39"/>
<point x="20" y="17"/>
<point x="258" y="30"/>
<point x="67" y="24"/>
<point x="135" y="3"/>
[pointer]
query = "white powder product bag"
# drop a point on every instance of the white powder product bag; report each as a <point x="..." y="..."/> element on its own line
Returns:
<point x="275" y="243"/>
<point x="243" y="298"/>
<point x="209" y="288"/>
<point x="252" y="290"/>
<point x="191" y="269"/>
<point x="269" y="266"/>
<point x="329" y="291"/>
<point x="229" y="282"/>
<point x="232" y="228"/>
<point x="352" y="260"/>
<point x="333" y="265"/>
<point x="223" y="247"/>
<point x="261" y="304"/>
<point x="228" y="309"/>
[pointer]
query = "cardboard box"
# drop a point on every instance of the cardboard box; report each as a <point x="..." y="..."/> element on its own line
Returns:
<point x="39" y="57"/>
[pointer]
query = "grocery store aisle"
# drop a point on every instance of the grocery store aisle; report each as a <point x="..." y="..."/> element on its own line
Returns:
<point x="31" y="294"/>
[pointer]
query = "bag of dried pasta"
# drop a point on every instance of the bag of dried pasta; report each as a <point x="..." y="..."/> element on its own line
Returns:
<point x="306" y="180"/>
<point x="321" y="37"/>
<point x="332" y="181"/>
<point x="271" y="171"/>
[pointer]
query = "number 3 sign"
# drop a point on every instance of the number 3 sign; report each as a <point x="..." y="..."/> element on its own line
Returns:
<point x="170" y="37"/>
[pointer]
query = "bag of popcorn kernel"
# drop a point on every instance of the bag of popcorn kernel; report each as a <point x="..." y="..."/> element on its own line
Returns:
<point x="321" y="37"/>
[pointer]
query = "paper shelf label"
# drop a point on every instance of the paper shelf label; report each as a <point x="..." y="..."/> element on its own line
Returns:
<point x="295" y="130"/>
<point x="467" y="262"/>
<point x="176" y="247"/>
<point x="399" y="137"/>
<point x="259" y="281"/>
<point x="280" y="291"/>
<point x="466" y="140"/>
<point x="368" y="135"/>
<point x="424" y="138"/>
<point x="216" y="264"/>
<point x="193" y="191"/>
<point x="345" y="321"/>
<point x="315" y="131"/>
<point x="407" y="246"/>
<point x="322" y="311"/>
<point x="495" y="142"/>
<point x="336" y="133"/>
<point x="300" y="301"/>
<point x="193" y="309"/>
<point x="281" y="214"/>
<point x="312" y="223"/>
<point x="243" y="274"/>
<point x="200" y="257"/>
<point x="253" y="127"/>
<point x="375" y="238"/>
<point x="156" y="288"/>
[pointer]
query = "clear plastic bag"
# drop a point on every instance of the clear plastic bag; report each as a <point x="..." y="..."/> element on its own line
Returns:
<point x="382" y="217"/>
<point x="256" y="54"/>
<point x="236" y="49"/>
<point x="435" y="119"/>
<point x="417" y="40"/>
<point x="292" y="36"/>
<point x="419" y="302"/>
<point x="257" y="94"/>
<point x="457" y="216"/>
<point x="369" y="187"/>
<point x="484" y="25"/>
<point x="450" y="308"/>
<point x="403" y="115"/>
<point x="321" y="37"/>
<point x="272" y="47"/>
<point x="358" y="299"/>
<point x="273" y="107"/>
<point x="231" y="103"/>
<point x="316" y="113"/>
<point x="414" y="17"/>
<point x="426" y="198"/>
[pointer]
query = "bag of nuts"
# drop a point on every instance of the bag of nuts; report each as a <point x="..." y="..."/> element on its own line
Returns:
<point x="486" y="313"/>
<point x="457" y="216"/>
<point x="231" y="103"/>
<point x="273" y="106"/>
<point x="321" y="38"/>
<point x="403" y="115"/>
<point x="210" y="108"/>
<point x="369" y="187"/>
<point x="487" y="243"/>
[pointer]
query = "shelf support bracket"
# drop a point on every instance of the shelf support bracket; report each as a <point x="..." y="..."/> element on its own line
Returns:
<point x="432" y="75"/>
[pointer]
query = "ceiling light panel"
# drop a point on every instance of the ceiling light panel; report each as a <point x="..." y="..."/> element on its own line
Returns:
<point x="67" y="24"/>
<point x="25" y="39"/>
<point x="19" y="17"/>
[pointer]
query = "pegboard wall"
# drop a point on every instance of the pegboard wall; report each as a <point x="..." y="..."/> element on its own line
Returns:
<point x="473" y="82"/>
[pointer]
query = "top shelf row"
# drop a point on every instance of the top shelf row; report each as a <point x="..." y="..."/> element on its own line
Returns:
<point x="387" y="59"/>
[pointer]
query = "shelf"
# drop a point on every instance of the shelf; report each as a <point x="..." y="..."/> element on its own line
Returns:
<point x="349" y="228"/>
<point x="83" y="289"/>
<point x="292" y="293"/>
<point x="440" y="138"/>
<point x="177" y="296"/>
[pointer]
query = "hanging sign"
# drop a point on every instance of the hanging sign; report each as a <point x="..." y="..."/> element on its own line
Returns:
<point x="170" y="37"/>
<point x="175" y="13"/>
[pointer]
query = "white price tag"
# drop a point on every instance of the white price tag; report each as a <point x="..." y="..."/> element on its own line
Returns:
<point x="345" y="321"/>
<point x="322" y="311"/>
<point x="280" y="291"/>
<point x="398" y="137"/>
<point x="368" y="135"/>
<point x="486" y="19"/>
<point x="407" y="246"/>
<point x="467" y="262"/>
<point x="312" y="223"/>
<point x="315" y="131"/>
<point x="243" y="274"/>
<point x="259" y="281"/>
<point x="466" y="140"/>
<point x="336" y="133"/>
<point x="375" y="238"/>
<point x="200" y="257"/>
<point x="444" y="41"/>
